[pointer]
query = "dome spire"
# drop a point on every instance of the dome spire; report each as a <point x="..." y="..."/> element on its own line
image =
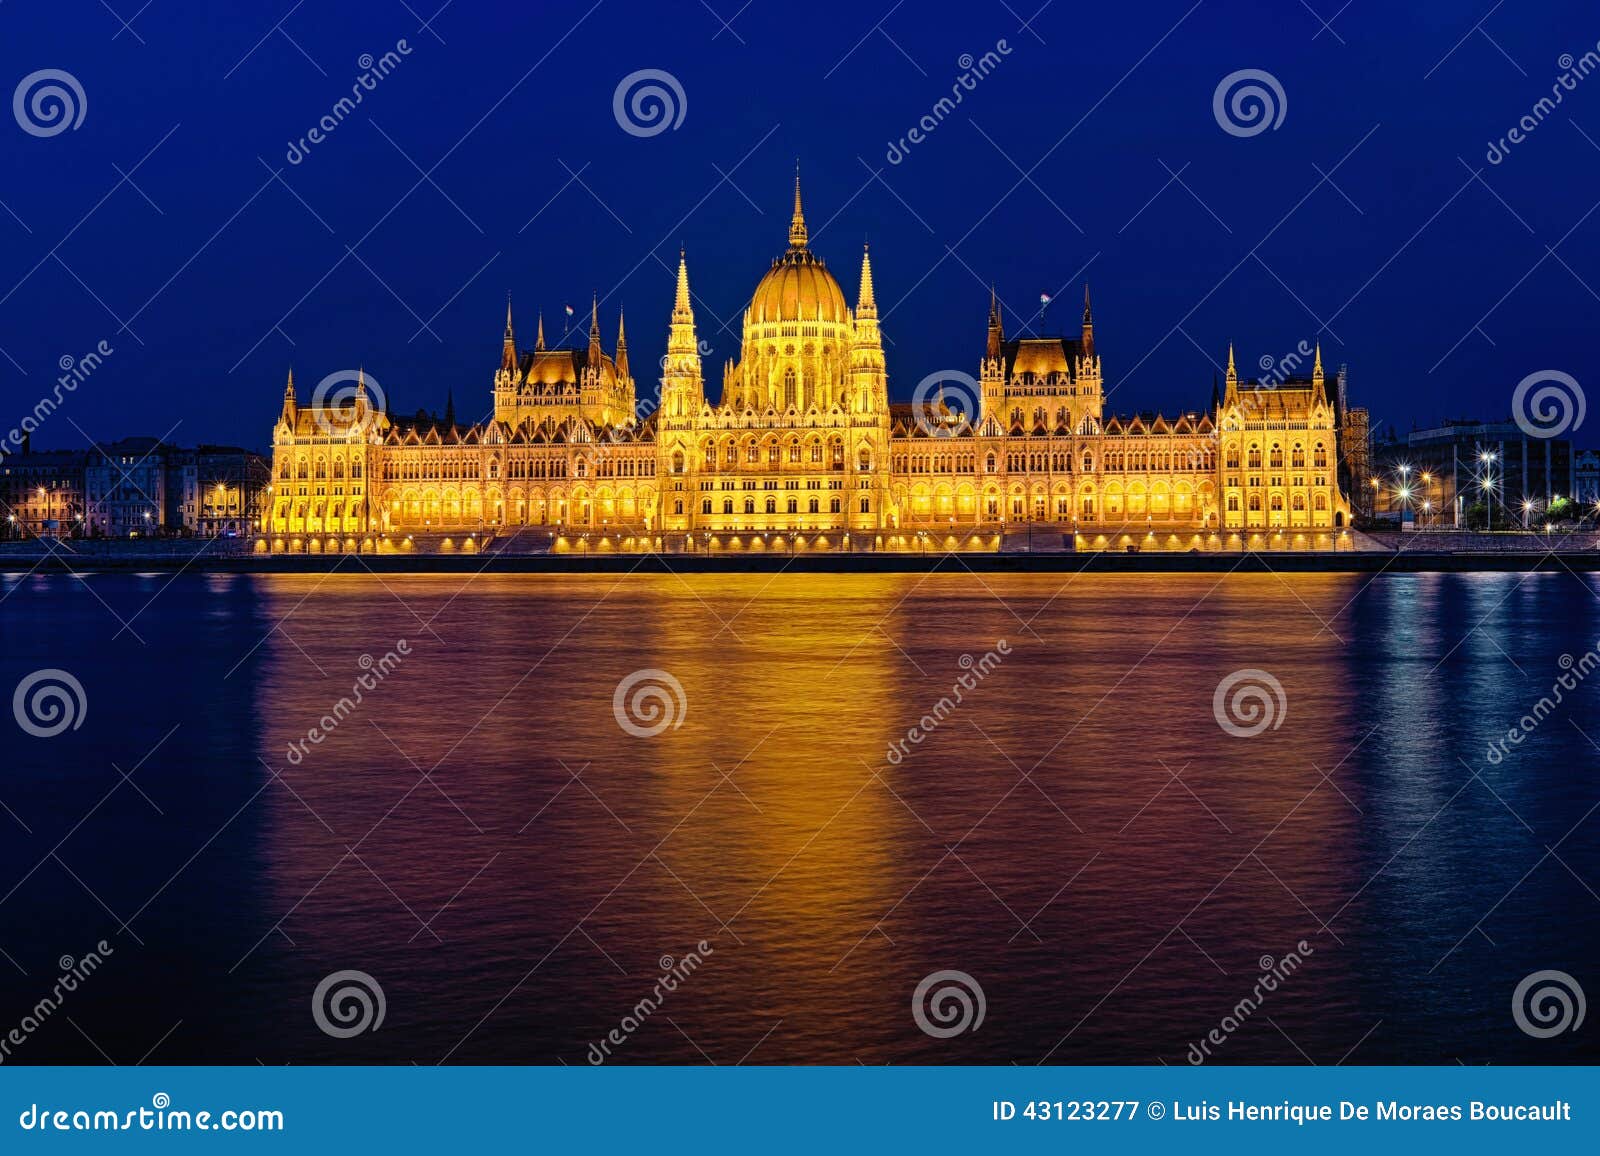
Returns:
<point x="680" y="306"/>
<point x="797" y="223"/>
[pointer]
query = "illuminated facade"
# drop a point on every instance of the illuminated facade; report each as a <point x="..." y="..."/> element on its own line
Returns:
<point x="802" y="449"/>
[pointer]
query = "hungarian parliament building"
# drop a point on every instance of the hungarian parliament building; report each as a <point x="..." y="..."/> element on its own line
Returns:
<point x="802" y="449"/>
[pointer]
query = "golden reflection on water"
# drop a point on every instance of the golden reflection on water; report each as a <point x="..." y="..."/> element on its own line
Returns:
<point x="1079" y="802"/>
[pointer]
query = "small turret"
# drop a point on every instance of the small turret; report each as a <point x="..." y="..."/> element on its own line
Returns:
<point x="291" y="404"/>
<point x="594" y="333"/>
<point x="538" y="341"/>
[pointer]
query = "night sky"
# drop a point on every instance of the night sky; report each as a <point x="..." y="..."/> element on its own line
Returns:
<point x="1090" y="151"/>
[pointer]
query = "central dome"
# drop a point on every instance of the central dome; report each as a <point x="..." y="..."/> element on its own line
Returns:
<point x="798" y="287"/>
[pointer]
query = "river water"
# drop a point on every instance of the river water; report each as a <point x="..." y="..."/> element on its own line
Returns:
<point x="1124" y="871"/>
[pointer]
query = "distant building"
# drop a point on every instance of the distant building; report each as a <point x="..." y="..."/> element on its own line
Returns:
<point x="221" y="490"/>
<point x="1586" y="475"/>
<point x="125" y="483"/>
<point x="1441" y="474"/>
<point x="41" y="494"/>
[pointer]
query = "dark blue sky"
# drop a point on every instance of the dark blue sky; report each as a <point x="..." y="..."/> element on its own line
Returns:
<point x="1438" y="289"/>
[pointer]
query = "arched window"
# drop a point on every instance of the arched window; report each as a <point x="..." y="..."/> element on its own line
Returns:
<point x="1088" y="463"/>
<point x="1298" y="460"/>
<point x="727" y="505"/>
<point x="988" y="464"/>
<point x="864" y="459"/>
<point x="1255" y="456"/>
<point x="1320" y="456"/>
<point x="749" y="505"/>
<point x="772" y="505"/>
<point x="1255" y="503"/>
<point x="1277" y="456"/>
<point x="788" y="389"/>
<point x="794" y="451"/>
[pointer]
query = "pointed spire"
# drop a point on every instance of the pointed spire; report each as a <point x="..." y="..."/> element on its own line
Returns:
<point x="594" y="334"/>
<point x="797" y="223"/>
<point x="866" y="301"/>
<point x="508" y="350"/>
<point x="680" y="304"/>
<point x="1316" y="370"/>
<point x="1088" y="325"/>
<point x="1233" y="374"/>
<point x="361" y="382"/>
<point x="622" y="347"/>
<point x="997" y="334"/>
<point x="538" y="342"/>
<point x="288" y="390"/>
